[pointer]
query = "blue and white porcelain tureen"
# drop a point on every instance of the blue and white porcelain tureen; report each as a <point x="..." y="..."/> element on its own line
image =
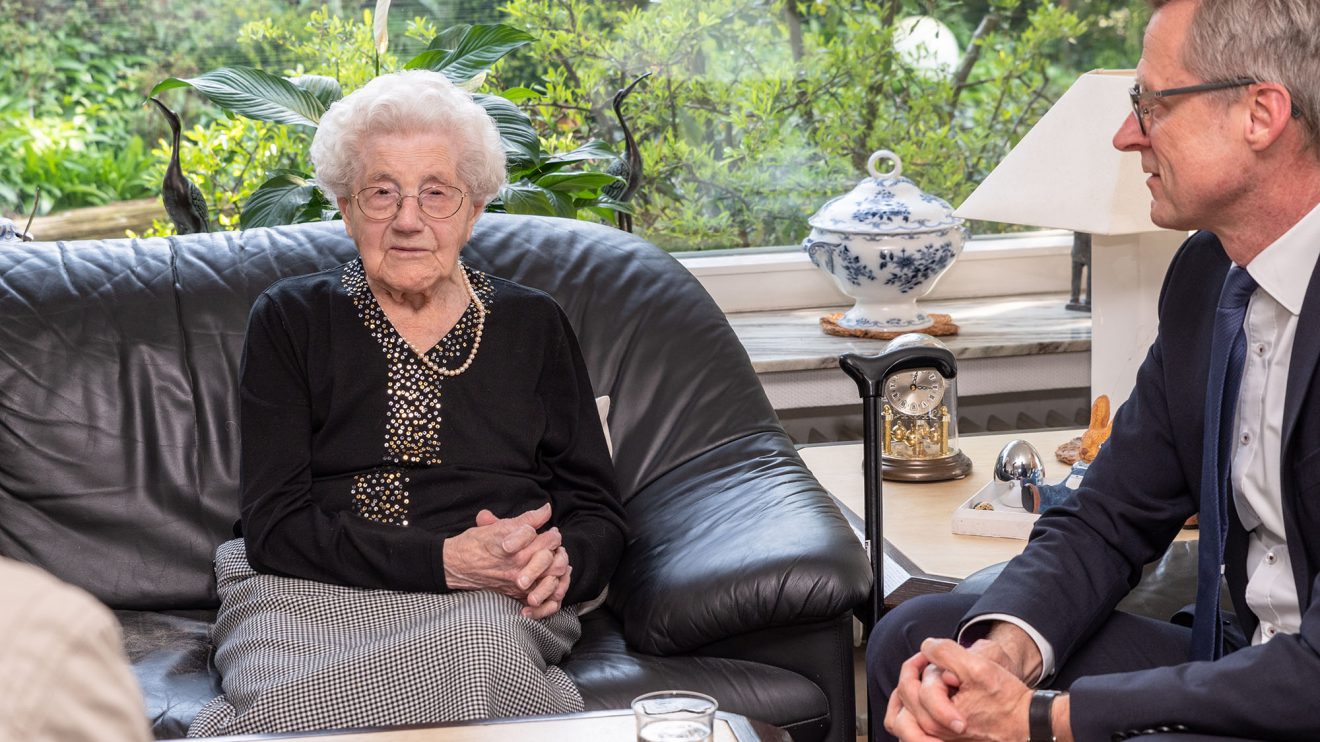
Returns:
<point x="885" y="244"/>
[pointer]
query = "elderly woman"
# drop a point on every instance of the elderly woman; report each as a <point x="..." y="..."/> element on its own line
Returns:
<point x="426" y="491"/>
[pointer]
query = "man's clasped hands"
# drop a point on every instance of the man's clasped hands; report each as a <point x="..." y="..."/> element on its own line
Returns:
<point x="511" y="556"/>
<point x="951" y="692"/>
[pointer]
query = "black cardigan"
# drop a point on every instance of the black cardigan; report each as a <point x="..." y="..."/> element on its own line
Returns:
<point x="358" y="461"/>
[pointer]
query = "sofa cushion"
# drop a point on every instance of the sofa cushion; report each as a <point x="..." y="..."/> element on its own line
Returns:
<point x="609" y="675"/>
<point x="118" y="457"/>
<point x="171" y="656"/>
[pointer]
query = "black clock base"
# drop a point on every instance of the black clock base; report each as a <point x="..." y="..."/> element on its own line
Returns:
<point x="955" y="466"/>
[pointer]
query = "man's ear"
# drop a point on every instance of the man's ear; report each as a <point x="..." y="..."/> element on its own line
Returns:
<point x="1269" y="109"/>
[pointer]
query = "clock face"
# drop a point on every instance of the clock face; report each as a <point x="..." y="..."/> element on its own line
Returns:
<point x="915" y="392"/>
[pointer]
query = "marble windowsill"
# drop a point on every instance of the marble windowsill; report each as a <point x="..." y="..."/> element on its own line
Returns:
<point x="996" y="327"/>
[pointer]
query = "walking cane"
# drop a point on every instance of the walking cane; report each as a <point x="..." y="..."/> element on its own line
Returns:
<point x="870" y="373"/>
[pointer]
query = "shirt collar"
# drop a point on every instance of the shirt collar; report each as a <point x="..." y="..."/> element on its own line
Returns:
<point x="1284" y="268"/>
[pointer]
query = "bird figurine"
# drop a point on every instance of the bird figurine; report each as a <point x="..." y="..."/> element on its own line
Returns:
<point x="183" y="199"/>
<point x="9" y="231"/>
<point x="628" y="167"/>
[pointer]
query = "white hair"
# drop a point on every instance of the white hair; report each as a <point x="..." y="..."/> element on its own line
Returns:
<point x="408" y="102"/>
<point x="1266" y="40"/>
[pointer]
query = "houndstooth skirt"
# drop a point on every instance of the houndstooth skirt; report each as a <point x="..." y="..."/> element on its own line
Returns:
<point x="298" y="655"/>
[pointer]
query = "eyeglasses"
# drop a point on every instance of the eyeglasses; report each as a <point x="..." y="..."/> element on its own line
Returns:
<point x="1140" y="97"/>
<point x="379" y="203"/>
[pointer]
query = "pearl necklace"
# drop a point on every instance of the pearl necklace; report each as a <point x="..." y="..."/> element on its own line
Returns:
<point x="476" y="338"/>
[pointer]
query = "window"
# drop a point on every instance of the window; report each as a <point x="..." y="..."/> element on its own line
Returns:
<point x="754" y="113"/>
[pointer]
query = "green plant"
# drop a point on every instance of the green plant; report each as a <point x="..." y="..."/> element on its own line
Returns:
<point x="74" y="162"/>
<point x="539" y="182"/>
<point x="71" y="116"/>
<point x="229" y="159"/>
<point x="756" y="114"/>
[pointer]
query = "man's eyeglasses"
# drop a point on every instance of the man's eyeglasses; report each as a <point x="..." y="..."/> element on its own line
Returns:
<point x="1141" y="98"/>
<point x="379" y="203"/>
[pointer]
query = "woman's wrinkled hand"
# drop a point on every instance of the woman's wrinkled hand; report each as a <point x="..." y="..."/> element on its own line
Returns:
<point x="548" y="595"/>
<point x="510" y="556"/>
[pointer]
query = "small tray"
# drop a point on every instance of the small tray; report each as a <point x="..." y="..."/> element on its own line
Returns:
<point x="1007" y="520"/>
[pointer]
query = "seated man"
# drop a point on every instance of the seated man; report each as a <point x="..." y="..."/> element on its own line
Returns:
<point x="1224" y="421"/>
<point x="65" y="674"/>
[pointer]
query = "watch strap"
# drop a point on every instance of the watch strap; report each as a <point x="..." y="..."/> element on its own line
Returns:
<point x="1040" y="720"/>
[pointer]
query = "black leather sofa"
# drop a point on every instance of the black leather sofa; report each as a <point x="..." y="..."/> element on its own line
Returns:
<point x="119" y="443"/>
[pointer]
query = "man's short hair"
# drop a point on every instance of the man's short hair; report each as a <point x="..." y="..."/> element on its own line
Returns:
<point x="1268" y="40"/>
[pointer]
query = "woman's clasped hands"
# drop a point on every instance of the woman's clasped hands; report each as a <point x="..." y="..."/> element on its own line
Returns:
<point x="511" y="556"/>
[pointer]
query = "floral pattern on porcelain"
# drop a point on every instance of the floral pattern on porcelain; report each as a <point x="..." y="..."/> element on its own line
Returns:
<point x="879" y="209"/>
<point x="891" y="323"/>
<point x="885" y="244"/>
<point x="822" y="256"/>
<point x="911" y="271"/>
<point x="890" y="272"/>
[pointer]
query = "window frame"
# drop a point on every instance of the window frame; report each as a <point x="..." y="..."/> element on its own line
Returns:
<point x="782" y="277"/>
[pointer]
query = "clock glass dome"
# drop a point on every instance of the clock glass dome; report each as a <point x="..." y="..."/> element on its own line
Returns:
<point x="919" y="406"/>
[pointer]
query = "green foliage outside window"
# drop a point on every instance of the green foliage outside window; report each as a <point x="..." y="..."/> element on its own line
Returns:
<point x="231" y="157"/>
<point x="758" y="113"/>
<point x="71" y="91"/>
<point x="539" y="182"/>
<point x="755" y="113"/>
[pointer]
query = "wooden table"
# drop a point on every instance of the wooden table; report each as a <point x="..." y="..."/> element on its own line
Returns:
<point x="590" y="726"/>
<point x="922" y="553"/>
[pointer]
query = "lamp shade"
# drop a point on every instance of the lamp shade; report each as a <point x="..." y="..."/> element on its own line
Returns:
<point x="1065" y="173"/>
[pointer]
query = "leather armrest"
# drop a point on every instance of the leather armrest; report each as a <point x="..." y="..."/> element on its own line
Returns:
<point x="739" y="539"/>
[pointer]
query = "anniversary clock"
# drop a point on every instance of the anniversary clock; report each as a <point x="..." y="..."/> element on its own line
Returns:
<point x="911" y="390"/>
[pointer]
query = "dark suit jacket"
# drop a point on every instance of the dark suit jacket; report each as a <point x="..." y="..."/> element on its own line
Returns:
<point x="1083" y="558"/>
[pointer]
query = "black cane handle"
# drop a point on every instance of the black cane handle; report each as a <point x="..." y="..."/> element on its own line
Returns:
<point x="870" y="371"/>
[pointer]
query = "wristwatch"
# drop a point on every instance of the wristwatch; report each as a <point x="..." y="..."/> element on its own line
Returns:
<point x="1040" y="722"/>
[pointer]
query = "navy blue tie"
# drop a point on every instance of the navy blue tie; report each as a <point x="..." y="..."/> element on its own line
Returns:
<point x="1228" y="350"/>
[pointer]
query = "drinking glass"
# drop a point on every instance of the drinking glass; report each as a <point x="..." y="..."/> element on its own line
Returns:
<point x="675" y="716"/>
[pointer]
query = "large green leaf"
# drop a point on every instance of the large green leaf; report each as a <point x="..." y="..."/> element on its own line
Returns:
<point x="536" y="170"/>
<point x="449" y="38"/>
<point x="521" y="144"/>
<point x="519" y="94"/>
<point x="326" y="89"/>
<point x="603" y="206"/>
<point x="475" y="51"/>
<point x="592" y="150"/>
<point x="252" y="93"/>
<point x="287" y="198"/>
<point x="604" y="202"/>
<point x="577" y="182"/>
<point x="529" y="198"/>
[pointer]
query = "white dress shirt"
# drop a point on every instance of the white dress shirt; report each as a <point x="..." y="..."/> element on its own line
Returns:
<point x="1283" y="272"/>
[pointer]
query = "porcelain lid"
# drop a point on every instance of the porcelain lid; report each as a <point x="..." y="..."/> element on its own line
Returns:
<point x="885" y="203"/>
